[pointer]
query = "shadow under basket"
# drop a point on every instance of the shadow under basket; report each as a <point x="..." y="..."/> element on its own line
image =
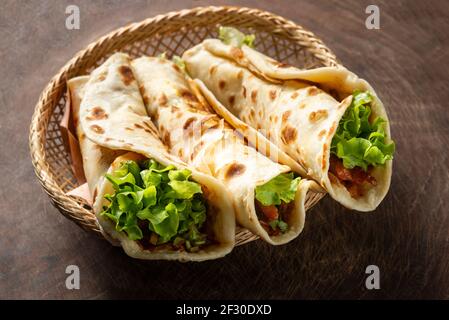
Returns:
<point x="172" y="33"/>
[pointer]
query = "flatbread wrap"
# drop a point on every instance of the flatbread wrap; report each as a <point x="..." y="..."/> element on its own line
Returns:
<point x="327" y="120"/>
<point x="96" y="159"/>
<point x="268" y="199"/>
<point x="149" y="202"/>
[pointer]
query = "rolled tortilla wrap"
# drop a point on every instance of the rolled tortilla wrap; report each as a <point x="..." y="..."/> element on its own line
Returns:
<point x="296" y="110"/>
<point x="96" y="159"/>
<point x="210" y="145"/>
<point x="113" y="118"/>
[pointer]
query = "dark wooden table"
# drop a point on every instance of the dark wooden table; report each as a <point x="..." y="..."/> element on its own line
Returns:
<point x="406" y="60"/>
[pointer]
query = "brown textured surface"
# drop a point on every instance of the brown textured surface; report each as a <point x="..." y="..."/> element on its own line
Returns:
<point x="407" y="237"/>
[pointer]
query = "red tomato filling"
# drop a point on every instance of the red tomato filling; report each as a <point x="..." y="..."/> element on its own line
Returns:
<point x="355" y="180"/>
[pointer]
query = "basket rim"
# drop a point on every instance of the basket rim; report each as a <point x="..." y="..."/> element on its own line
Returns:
<point x="38" y="128"/>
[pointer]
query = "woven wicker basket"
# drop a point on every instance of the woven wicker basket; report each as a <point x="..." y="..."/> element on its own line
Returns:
<point x="173" y="33"/>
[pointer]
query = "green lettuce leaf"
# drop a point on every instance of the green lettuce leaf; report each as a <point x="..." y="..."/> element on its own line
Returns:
<point x="185" y="189"/>
<point x="118" y="181"/>
<point x="150" y="178"/>
<point x="131" y="228"/>
<point x="149" y="196"/>
<point x="169" y="226"/>
<point x="198" y="211"/>
<point x="154" y="215"/>
<point x="234" y="37"/>
<point x="280" y="188"/>
<point x="130" y="201"/>
<point x="134" y="169"/>
<point x="179" y="175"/>
<point x="358" y="142"/>
<point x="179" y="62"/>
<point x="162" y="55"/>
<point x="278" y="223"/>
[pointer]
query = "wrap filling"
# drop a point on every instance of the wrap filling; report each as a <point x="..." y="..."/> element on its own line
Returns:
<point x="158" y="206"/>
<point x="274" y="202"/>
<point x="359" y="145"/>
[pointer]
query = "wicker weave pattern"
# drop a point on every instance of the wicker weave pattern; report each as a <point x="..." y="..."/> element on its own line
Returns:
<point x="172" y="33"/>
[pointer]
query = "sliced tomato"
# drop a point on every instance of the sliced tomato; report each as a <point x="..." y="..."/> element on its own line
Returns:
<point x="270" y="212"/>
